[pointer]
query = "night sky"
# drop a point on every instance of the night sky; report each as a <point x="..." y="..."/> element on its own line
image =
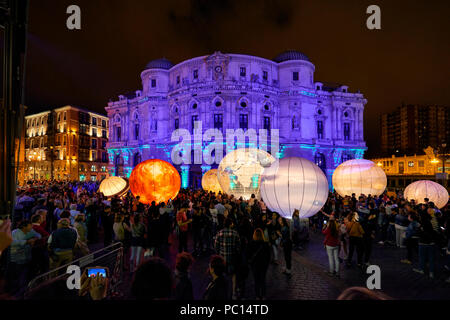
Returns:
<point x="407" y="61"/>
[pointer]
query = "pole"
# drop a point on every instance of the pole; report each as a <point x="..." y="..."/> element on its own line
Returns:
<point x="13" y="19"/>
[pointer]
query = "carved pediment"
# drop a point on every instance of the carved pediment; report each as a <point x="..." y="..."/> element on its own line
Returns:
<point x="217" y="65"/>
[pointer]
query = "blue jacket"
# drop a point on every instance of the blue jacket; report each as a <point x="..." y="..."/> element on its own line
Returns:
<point x="412" y="229"/>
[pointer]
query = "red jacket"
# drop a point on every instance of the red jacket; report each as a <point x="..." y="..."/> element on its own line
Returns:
<point x="44" y="234"/>
<point x="329" y="239"/>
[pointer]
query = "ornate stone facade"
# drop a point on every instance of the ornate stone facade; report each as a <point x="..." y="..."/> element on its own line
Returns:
<point x="318" y="121"/>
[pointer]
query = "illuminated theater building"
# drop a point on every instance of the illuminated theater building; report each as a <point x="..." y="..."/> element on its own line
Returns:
<point x="319" y="121"/>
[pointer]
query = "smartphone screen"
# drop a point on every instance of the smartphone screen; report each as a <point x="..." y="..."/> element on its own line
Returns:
<point x="95" y="271"/>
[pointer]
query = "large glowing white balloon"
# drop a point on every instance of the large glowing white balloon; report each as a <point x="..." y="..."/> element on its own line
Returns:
<point x="419" y="190"/>
<point x="294" y="183"/>
<point x="113" y="185"/>
<point x="239" y="172"/>
<point x="359" y="176"/>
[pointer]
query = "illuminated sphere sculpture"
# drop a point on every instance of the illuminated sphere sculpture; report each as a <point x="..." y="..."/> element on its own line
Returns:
<point x="419" y="190"/>
<point x="294" y="183"/>
<point x="240" y="171"/>
<point x="210" y="182"/>
<point x="359" y="176"/>
<point x="113" y="186"/>
<point x="155" y="180"/>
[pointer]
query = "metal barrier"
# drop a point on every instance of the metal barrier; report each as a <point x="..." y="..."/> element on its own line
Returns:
<point x="110" y="257"/>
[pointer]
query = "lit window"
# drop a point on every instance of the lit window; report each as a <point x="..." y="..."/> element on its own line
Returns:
<point x="93" y="168"/>
<point x="410" y="163"/>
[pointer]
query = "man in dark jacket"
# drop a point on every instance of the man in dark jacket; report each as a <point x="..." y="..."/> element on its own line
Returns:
<point x="61" y="242"/>
<point x="427" y="242"/>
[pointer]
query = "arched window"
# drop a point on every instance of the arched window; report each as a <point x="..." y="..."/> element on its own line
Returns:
<point x="319" y="160"/>
<point x="118" y="162"/>
<point x="137" y="158"/>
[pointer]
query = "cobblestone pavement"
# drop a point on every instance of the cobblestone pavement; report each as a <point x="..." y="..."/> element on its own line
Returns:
<point x="306" y="283"/>
<point x="310" y="280"/>
<point x="397" y="280"/>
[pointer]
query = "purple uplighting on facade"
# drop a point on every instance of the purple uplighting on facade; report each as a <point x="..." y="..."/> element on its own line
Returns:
<point x="316" y="121"/>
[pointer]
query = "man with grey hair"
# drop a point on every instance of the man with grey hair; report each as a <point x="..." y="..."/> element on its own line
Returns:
<point x="61" y="243"/>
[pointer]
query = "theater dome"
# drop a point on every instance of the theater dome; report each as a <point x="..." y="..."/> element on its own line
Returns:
<point x="290" y="55"/>
<point x="162" y="63"/>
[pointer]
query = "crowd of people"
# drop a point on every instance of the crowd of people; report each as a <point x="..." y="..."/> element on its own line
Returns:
<point x="56" y="222"/>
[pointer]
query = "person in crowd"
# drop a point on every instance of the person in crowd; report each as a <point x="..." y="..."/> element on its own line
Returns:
<point x="153" y="280"/>
<point x="39" y="252"/>
<point x="343" y="239"/>
<point x="18" y="272"/>
<point x="427" y="242"/>
<point x="5" y="235"/>
<point x="81" y="247"/>
<point x="411" y="237"/>
<point x="401" y="224"/>
<point x="369" y="225"/>
<point x="295" y="227"/>
<point x="274" y="230"/>
<point x="217" y="289"/>
<point x="183" y="227"/>
<point x="183" y="283"/>
<point x="73" y="213"/>
<point x="227" y="245"/>
<point x="355" y="233"/>
<point x="258" y="253"/>
<point x="154" y="233"/>
<point x="107" y="222"/>
<point x="61" y="244"/>
<point x="331" y="242"/>
<point x="198" y="229"/>
<point x="119" y="228"/>
<point x="137" y="242"/>
<point x="286" y="244"/>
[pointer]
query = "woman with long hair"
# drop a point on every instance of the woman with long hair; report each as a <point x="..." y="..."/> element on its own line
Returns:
<point x="355" y="233"/>
<point x="258" y="255"/>
<point x="331" y="242"/>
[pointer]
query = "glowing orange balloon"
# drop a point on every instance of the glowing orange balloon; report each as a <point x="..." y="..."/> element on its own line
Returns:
<point x="155" y="180"/>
